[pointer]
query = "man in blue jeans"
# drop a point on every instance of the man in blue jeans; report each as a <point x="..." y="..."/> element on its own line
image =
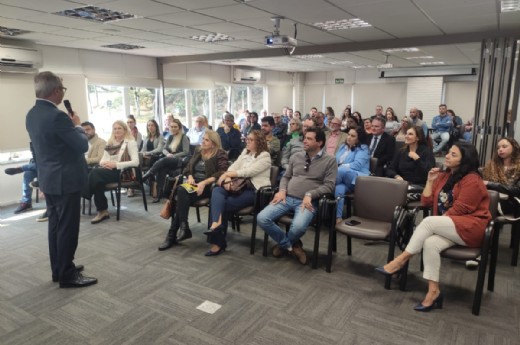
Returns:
<point x="310" y="174"/>
<point x="29" y="174"/>
<point x="442" y="124"/>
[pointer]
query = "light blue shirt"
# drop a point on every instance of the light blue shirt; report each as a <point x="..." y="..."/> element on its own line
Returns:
<point x="442" y="124"/>
<point x="196" y="135"/>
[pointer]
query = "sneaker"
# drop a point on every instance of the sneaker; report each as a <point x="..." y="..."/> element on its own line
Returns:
<point x="43" y="218"/>
<point x="24" y="206"/>
<point x="472" y="265"/>
<point x="277" y="251"/>
<point x="34" y="184"/>
<point x="13" y="171"/>
<point x="299" y="254"/>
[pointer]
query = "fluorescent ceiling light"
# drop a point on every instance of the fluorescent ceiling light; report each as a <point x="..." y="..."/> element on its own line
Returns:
<point x="122" y="46"/>
<point x="342" y="24"/>
<point x="95" y="14"/>
<point x="432" y="63"/>
<point x="510" y="5"/>
<point x="210" y="38"/>
<point x="401" y="50"/>
<point x="308" y="56"/>
<point x="419" y="57"/>
<point x="340" y="62"/>
<point x="11" y="31"/>
<point x="361" y="66"/>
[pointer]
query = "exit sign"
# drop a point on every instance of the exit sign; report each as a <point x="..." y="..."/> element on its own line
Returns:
<point x="339" y="81"/>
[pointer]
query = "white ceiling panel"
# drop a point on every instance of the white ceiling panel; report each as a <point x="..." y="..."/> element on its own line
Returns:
<point x="143" y="24"/>
<point x="363" y="34"/>
<point x="223" y="28"/>
<point x="198" y="4"/>
<point x="235" y="12"/>
<point x="142" y="8"/>
<point x="44" y="6"/>
<point x="75" y="33"/>
<point x="16" y="12"/>
<point x="187" y="19"/>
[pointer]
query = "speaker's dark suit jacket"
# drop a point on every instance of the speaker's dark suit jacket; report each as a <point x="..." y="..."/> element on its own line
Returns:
<point x="384" y="151"/>
<point x="59" y="148"/>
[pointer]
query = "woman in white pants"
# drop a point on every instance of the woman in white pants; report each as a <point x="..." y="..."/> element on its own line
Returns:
<point x="460" y="215"/>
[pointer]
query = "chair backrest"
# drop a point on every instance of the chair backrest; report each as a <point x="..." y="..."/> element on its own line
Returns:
<point x="494" y="199"/>
<point x="274" y="175"/>
<point x="376" y="197"/>
<point x="373" y="165"/>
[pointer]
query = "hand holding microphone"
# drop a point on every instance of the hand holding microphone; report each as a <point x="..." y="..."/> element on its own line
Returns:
<point x="73" y="116"/>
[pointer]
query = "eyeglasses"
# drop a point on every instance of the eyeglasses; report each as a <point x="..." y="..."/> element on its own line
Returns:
<point x="307" y="164"/>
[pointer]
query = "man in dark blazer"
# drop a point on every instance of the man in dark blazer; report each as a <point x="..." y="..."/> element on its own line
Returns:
<point x="381" y="145"/>
<point x="59" y="144"/>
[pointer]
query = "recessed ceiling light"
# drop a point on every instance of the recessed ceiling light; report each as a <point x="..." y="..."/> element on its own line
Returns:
<point x="342" y="24"/>
<point x="430" y="63"/>
<point x="11" y="31"/>
<point x="96" y="14"/>
<point x="419" y="57"/>
<point x="308" y="56"/>
<point x="123" y="46"/>
<point x="401" y="50"/>
<point x="510" y="5"/>
<point x="210" y="38"/>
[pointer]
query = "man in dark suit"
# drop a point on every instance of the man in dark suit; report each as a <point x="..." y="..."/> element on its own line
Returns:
<point x="59" y="144"/>
<point x="381" y="145"/>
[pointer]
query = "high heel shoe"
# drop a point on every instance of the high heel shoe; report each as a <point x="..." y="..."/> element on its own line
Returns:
<point x="385" y="272"/>
<point x="437" y="304"/>
<point x="218" y="252"/>
<point x="211" y="231"/>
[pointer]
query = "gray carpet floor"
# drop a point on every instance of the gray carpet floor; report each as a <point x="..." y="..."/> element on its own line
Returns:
<point x="149" y="297"/>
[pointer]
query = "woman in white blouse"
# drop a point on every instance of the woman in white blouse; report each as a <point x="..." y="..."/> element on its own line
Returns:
<point x="254" y="163"/>
<point x="121" y="152"/>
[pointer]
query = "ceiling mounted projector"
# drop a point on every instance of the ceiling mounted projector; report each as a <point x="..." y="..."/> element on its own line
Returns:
<point x="281" y="41"/>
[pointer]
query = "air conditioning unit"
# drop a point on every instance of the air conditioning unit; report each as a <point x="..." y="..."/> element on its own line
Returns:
<point x="246" y="76"/>
<point x="19" y="57"/>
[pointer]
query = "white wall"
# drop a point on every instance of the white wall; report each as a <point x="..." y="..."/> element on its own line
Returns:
<point x="461" y="96"/>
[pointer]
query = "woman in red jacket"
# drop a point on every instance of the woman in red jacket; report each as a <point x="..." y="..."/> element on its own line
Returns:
<point x="460" y="215"/>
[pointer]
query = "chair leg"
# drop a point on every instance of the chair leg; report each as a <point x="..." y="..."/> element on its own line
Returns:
<point x="494" y="257"/>
<point x="480" y="282"/>
<point x="118" y="199"/>
<point x="315" y="252"/>
<point x="83" y="205"/>
<point x="144" y="198"/>
<point x="90" y="207"/>
<point x="349" y="245"/>
<point x="330" y="248"/>
<point x="198" y="214"/>
<point x="404" y="278"/>
<point x="253" y="237"/>
<point x="266" y="240"/>
<point x="112" y="197"/>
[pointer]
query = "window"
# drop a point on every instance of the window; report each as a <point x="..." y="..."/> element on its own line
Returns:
<point x="239" y="99"/>
<point x="175" y="103"/>
<point x="199" y="104"/>
<point x="257" y="98"/>
<point x="222" y="100"/>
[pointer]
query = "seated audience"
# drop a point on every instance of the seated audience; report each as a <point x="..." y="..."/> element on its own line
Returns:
<point x="460" y="215"/>
<point x="204" y="168"/>
<point x="502" y="173"/>
<point x="295" y="144"/>
<point x="329" y="115"/>
<point x="176" y="148"/>
<point x="320" y="122"/>
<point x="153" y="142"/>
<point x="310" y="175"/>
<point x="252" y="124"/>
<point x="280" y="128"/>
<point x="442" y="125"/>
<point x="367" y="125"/>
<point x="353" y="160"/>
<point x="230" y="137"/>
<point x="298" y="115"/>
<point x="272" y="142"/>
<point x="120" y="153"/>
<point x="467" y="135"/>
<point x="406" y="123"/>
<point x="295" y="130"/>
<point x="254" y="163"/>
<point x="357" y="116"/>
<point x="131" y="123"/>
<point x="413" y="161"/>
<point x="381" y="145"/>
<point x="416" y="118"/>
<point x="346" y="114"/>
<point x="196" y="133"/>
<point x="334" y="138"/>
<point x="96" y="145"/>
<point x="30" y="172"/>
<point x="392" y="123"/>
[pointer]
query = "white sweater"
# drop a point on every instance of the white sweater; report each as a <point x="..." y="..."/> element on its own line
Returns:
<point x="132" y="151"/>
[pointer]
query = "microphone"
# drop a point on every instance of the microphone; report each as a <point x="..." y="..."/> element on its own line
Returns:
<point x="67" y="105"/>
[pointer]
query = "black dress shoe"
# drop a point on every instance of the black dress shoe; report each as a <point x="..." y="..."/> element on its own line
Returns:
<point x="184" y="232"/>
<point x="437" y="304"/>
<point x="218" y="252"/>
<point x="78" y="281"/>
<point x="79" y="268"/>
<point x="156" y="200"/>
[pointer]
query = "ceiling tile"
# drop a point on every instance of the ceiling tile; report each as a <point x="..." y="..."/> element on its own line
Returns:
<point x="17" y="13"/>
<point x="142" y="8"/>
<point x="187" y="19"/>
<point x="237" y="11"/>
<point x="143" y="24"/>
<point x="223" y="28"/>
<point x="198" y="4"/>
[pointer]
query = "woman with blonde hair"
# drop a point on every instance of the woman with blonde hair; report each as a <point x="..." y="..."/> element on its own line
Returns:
<point x="204" y="168"/>
<point x="121" y="152"/>
<point x="254" y="163"/>
<point x="176" y="148"/>
<point x="406" y="124"/>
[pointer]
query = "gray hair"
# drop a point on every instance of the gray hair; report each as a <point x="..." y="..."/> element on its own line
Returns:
<point x="298" y="124"/>
<point x="45" y="83"/>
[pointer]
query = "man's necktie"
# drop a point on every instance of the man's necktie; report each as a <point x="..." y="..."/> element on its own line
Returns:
<point x="373" y="146"/>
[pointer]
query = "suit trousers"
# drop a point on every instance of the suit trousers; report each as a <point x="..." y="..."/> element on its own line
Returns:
<point x="64" y="215"/>
<point x="184" y="200"/>
<point x="433" y="235"/>
<point x="161" y="168"/>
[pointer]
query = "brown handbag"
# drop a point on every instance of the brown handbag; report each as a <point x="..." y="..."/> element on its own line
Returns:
<point x="166" y="211"/>
<point x="127" y="175"/>
<point x="238" y="184"/>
